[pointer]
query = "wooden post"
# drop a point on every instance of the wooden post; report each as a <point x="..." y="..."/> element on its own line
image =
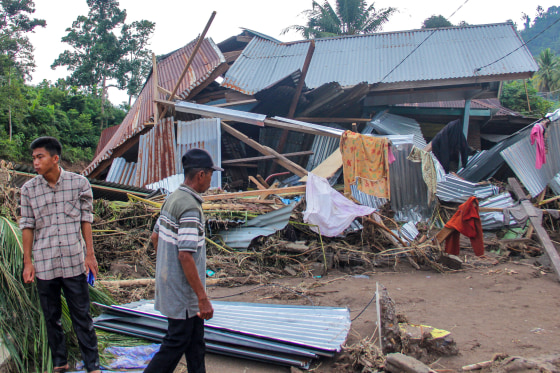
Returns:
<point x="537" y="226"/>
<point x="285" y="162"/>
<point x="155" y="88"/>
<point x="295" y="99"/>
<point x="190" y="60"/>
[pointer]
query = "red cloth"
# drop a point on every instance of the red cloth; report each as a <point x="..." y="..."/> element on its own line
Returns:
<point x="465" y="221"/>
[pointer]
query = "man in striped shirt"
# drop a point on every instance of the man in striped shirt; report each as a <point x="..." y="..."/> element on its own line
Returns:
<point x="56" y="216"/>
<point x="179" y="239"/>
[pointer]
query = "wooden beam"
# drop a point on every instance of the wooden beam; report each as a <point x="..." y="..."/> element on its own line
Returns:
<point x="243" y="102"/>
<point x="284" y="162"/>
<point x="163" y="90"/>
<point x="254" y="193"/>
<point x="190" y="60"/>
<point x="222" y="68"/>
<point x="244" y="39"/>
<point x="257" y="183"/>
<point x="263" y="181"/>
<point x="232" y="56"/>
<point x="155" y="87"/>
<point x="264" y="157"/>
<point x="537" y="225"/>
<point x="301" y="82"/>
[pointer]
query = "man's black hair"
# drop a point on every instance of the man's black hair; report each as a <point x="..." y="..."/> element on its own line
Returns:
<point x="190" y="172"/>
<point x="51" y="144"/>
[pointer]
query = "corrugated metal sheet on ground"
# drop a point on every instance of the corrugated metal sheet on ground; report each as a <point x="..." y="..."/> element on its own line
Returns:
<point x="555" y="184"/>
<point x="323" y="329"/>
<point x="391" y="124"/>
<point x="455" y="189"/>
<point x="263" y="225"/>
<point x="521" y="158"/>
<point x="446" y="53"/>
<point x="151" y="327"/>
<point x="207" y="59"/>
<point x="156" y="153"/>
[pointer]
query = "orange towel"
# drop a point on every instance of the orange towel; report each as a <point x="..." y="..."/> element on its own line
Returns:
<point x="365" y="162"/>
<point x="465" y="221"/>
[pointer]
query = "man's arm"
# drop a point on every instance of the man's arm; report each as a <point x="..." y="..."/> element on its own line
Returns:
<point x="90" y="262"/>
<point x="28" y="268"/>
<point x="189" y="268"/>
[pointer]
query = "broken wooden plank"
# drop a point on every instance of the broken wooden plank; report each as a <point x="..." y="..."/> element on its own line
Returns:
<point x="253" y="193"/>
<point x="265" y="157"/>
<point x="284" y="162"/>
<point x="537" y="225"/>
<point x="262" y="181"/>
<point x="443" y="234"/>
<point x="257" y="183"/>
<point x="328" y="167"/>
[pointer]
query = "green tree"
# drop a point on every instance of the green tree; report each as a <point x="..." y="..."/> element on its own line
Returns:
<point x="137" y="61"/>
<point x="524" y="99"/>
<point x="548" y="76"/>
<point x="351" y="17"/>
<point x="436" y="22"/>
<point x="15" y="24"/>
<point x="542" y="31"/>
<point x="103" y="48"/>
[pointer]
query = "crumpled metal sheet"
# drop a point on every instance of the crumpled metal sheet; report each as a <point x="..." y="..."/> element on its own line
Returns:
<point x="263" y="225"/>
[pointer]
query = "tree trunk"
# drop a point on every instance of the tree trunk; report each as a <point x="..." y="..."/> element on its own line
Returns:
<point x="10" y="106"/>
<point x="103" y="103"/>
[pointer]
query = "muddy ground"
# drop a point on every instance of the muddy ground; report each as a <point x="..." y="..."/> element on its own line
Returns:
<point x="509" y="308"/>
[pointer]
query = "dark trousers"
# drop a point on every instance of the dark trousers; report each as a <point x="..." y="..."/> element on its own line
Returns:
<point x="76" y="293"/>
<point x="183" y="337"/>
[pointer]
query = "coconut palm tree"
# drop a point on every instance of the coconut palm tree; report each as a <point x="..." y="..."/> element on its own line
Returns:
<point x="350" y="17"/>
<point x="548" y="76"/>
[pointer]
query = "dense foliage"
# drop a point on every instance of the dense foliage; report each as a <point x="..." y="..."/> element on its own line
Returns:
<point x="73" y="116"/>
<point x="543" y="30"/>
<point x="522" y="97"/>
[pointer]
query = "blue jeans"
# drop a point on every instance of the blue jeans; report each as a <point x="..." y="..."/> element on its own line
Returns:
<point x="76" y="292"/>
<point x="183" y="337"/>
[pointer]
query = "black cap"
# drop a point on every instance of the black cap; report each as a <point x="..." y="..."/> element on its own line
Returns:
<point x="199" y="158"/>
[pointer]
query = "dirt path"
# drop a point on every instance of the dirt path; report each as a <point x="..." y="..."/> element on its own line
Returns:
<point x="510" y="308"/>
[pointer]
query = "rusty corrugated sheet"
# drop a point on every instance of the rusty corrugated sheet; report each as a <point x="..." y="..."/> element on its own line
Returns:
<point x="106" y="135"/>
<point x="156" y="155"/>
<point x="207" y="59"/>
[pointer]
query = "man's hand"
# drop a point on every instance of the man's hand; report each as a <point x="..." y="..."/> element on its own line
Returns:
<point x="91" y="265"/>
<point x="28" y="273"/>
<point x="206" y="311"/>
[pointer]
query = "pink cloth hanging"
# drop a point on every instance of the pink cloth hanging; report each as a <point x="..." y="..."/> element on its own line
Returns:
<point x="537" y="134"/>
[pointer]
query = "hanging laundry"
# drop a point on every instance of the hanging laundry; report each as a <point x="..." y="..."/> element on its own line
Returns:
<point x="449" y="142"/>
<point x="365" y="162"/>
<point x="328" y="209"/>
<point x="537" y="135"/>
<point x="466" y="221"/>
<point x="429" y="173"/>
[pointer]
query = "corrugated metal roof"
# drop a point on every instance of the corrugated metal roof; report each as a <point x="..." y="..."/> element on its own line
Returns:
<point x="207" y="59"/>
<point x="447" y="53"/>
<point x="521" y="158"/>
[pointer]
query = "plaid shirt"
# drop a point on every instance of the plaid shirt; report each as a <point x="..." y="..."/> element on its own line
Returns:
<point x="55" y="215"/>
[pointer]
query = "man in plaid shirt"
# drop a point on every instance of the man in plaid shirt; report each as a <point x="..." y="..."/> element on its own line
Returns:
<point x="56" y="217"/>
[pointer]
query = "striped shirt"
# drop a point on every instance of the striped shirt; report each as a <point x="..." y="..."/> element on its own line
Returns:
<point x="180" y="227"/>
<point x="55" y="215"/>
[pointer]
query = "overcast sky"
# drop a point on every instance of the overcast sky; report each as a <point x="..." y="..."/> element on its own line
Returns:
<point x="180" y="21"/>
